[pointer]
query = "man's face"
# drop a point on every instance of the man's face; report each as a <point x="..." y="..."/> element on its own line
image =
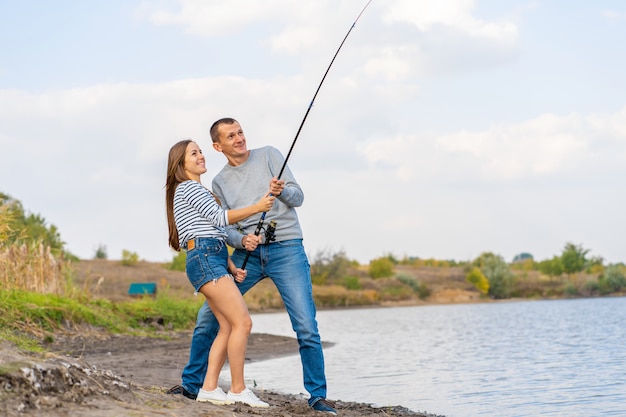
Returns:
<point x="232" y="141"/>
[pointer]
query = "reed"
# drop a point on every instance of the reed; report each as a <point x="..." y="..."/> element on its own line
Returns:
<point x="29" y="265"/>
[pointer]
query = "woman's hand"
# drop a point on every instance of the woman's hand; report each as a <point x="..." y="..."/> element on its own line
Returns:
<point x="240" y="274"/>
<point x="265" y="204"/>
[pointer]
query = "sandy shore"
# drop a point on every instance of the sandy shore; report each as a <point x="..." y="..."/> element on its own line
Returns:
<point x="95" y="375"/>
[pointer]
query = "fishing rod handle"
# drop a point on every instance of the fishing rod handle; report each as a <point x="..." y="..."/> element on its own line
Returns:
<point x="245" y="261"/>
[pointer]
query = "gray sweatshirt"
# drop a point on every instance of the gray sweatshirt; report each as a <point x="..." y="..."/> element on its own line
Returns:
<point x="244" y="185"/>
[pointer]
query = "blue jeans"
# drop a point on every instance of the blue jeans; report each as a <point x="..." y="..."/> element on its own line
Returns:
<point x="206" y="262"/>
<point x="286" y="264"/>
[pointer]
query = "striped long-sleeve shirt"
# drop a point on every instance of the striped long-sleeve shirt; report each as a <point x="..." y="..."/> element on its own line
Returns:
<point x="197" y="214"/>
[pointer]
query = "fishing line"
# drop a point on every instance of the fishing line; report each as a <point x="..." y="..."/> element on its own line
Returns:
<point x="259" y="226"/>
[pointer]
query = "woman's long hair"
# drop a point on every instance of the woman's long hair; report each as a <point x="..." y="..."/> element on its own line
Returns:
<point x="175" y="175"/>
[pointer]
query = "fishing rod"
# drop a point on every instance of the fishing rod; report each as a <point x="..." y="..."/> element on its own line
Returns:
<point x="270" y="232"/>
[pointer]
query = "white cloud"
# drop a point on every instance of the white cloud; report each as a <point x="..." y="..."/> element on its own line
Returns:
<point x="392" y="64"/>
<point x="211" y="18"/>
<point x="399" y="39"/>
<point x="457" y="14"/>
<point x="547" y="145"/>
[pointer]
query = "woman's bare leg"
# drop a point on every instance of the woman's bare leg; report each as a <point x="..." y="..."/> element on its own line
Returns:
<point x="218" y="352"/>
<point x="232" y="314"/>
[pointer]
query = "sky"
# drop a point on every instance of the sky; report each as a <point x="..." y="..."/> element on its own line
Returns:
<point x="442" y="130"/>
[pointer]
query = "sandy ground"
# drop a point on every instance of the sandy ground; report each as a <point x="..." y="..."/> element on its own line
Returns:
<point x="90" y="374"/>
<point x="86" y="373"/>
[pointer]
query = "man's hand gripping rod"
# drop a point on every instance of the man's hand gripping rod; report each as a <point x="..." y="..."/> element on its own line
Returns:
<point x="269" y="235"/>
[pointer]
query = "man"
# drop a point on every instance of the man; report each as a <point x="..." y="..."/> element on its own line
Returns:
<point x="243" y="180"/>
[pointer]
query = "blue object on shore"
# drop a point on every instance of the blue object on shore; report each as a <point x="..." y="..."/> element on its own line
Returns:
<point x="142" y="288"/>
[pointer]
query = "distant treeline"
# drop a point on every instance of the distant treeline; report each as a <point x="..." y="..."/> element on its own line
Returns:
<point x="26" y="238"/>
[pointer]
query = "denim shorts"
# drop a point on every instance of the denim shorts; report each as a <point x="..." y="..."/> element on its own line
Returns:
<point x="207" y="261"/>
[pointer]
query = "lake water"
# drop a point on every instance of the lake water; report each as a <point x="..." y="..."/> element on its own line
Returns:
<point x="530" y="358"/>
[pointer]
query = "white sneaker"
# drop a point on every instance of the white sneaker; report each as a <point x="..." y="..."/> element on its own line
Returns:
<point x="217" y="396"/>
<point x="247" y="397"/>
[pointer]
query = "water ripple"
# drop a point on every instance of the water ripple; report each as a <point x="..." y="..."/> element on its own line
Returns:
<point x="536" y="358"/>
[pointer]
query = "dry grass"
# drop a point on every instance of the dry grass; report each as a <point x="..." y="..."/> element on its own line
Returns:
<point x="31" y="268"/>
<point x="102" y="278"/>
<point x="109" y="279"/>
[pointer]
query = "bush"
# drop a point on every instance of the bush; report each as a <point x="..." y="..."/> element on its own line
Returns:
<point x="497" y="272"/>
<point x="614" y="278"/>
<point x="408" y="280"/>
<point x="336" y="296"/>
<point x="352" y="282"/>
<point x="528" y="264"/>
<point x="480" y="281"/>
<point x="421" y="290"/>
<point x="551" y="267"/>
<point x="571" y="290"/>
<point x="394" y="290"/>
<point x="595" y="265"/>
<point x="129" y="258"/>
<point x="179" y="261"/>
<point x="381" y="268"/>
<point x="329" y="268"/>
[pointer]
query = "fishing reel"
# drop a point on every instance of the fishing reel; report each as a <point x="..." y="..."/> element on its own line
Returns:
<point x="270" y="232"/>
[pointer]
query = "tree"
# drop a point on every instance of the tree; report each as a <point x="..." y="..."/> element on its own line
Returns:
<point x="101" y="252"/>
<point x="595" y="265"/>
<point x="521" y="257"/>
<point x="27" y="227"/>
<point x="573" y="258"/>
<point x="552" y="267"/>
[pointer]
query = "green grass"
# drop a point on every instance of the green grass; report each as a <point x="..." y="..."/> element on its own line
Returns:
<point x="27" y="318"/>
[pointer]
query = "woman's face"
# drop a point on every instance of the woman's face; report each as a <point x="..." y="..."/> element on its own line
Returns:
<point x="194" y="164"/>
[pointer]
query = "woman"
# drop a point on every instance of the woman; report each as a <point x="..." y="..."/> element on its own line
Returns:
<point x="197" y="223"/>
